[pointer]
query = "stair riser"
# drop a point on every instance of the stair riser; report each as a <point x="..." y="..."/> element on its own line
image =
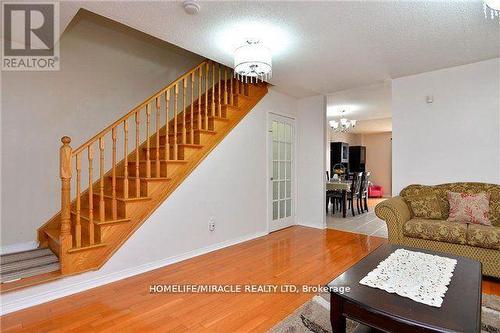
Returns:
<point x="143" y="170"/>
<point x="85" y="228"/>
<point x="143" y="192"/>
<point x="183" y="153"/>
<point x="166" y="170"/>
<point x="238" y="99"/>
<point x="236" y="95"/>
<point x="225" y="112"/>
<point x="179" y="138"/>
<point x="108" y="204"/>
<point x="84" y="222"/>
<point x="123" y="207"/>
<point x="152" y="154"/>
<point x="214" y="124"/>
<point x="198" y="138"/>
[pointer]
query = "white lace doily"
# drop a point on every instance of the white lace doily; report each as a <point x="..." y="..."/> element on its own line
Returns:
<point x="419" y="276"/>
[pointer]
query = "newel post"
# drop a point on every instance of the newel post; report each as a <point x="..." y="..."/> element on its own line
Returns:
<point x="65" y="174"/>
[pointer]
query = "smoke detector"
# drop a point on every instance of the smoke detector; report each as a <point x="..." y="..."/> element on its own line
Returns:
<point x="191" y="7"/>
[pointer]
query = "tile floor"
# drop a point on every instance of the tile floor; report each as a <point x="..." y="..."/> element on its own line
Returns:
<point x="367" y="223"/>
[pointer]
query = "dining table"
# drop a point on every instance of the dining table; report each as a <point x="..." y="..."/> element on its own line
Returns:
<point x="343" y="187"/>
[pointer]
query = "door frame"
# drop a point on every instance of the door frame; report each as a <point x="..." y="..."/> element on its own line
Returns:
<point x="269" y="143"/>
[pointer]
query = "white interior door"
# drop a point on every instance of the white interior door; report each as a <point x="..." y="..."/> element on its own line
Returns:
<point x="281" y="148"/>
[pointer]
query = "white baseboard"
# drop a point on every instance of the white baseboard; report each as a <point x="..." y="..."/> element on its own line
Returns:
<point x="311" y="225"/>
<point x="73" y="288"/>
<point x="18" y="247"/>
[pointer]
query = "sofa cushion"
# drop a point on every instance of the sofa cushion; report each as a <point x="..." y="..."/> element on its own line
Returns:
<point x="425" y="206"/>
<point x="469" y="208"/>
<point x="441" y="191"/>
<point x="437" y="230"/>
<point x="483" y="236"/>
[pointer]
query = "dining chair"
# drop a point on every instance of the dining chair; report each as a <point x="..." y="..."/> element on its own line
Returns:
<point x="353" y="194"/>
<point x="363" y="192"/>
<point x="329" y="195"/>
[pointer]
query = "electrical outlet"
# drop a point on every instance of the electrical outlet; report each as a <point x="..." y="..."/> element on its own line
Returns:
<point x="211" y="224"/>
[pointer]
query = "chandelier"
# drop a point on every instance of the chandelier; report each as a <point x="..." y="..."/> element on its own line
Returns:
<point x="343" y="125"/>
<point x="252" y="62"/>
<point x="492" y="9"/>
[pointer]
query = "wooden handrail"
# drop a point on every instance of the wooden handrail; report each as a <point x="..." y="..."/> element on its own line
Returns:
<point x="138" y="107"/>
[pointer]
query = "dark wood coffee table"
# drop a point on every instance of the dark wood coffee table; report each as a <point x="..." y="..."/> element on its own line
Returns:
<point x="386" y="312"/>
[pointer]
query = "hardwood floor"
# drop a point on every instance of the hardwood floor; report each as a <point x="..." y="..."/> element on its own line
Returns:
<point x="297" y="255"/>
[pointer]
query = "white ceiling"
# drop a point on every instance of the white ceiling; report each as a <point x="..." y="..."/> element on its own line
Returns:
<point x="373" y="126"/>
<point x="363" y="103"/>
<point x="320" y="47"/>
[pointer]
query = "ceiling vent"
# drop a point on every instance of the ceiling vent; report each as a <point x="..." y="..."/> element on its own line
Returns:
<point x="191" y="7"/>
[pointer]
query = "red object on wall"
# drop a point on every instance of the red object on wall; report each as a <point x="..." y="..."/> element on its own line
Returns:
<point x="375" y="191"/>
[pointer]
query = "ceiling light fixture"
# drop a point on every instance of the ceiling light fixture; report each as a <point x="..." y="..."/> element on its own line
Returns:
<point x="343" y="125"/>
<point x="492" y="7"/>
<point x="253" y="62"/>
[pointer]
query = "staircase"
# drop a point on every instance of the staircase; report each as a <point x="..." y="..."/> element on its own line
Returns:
<point x="113" y="182"/>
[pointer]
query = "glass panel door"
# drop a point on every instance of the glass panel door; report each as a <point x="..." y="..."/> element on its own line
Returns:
<point x="281" y="165"/>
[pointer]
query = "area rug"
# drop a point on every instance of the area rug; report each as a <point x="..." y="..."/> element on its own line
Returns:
<point x="314" y="316"/>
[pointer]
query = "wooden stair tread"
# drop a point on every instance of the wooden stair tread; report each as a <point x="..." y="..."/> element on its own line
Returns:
<point x="188" y="119"/>
<point x="197" y="110"/>
<point x="129" y="199"/>
<point x="132" y="178"/>
<point x="187" y="145"/>
<point x="84" y="214"/>
<point x="196" y="130"/>
<point x="161" y="161"/>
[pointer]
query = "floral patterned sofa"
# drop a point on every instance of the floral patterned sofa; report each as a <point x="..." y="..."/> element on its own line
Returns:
<point x="469" y="240"/>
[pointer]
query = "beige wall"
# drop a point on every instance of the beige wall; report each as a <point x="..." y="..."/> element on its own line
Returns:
<point x="106" y="69"/>
<point x="379" y="159"/>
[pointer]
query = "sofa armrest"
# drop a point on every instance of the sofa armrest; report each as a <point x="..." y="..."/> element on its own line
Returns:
<point x="395" y="212"/>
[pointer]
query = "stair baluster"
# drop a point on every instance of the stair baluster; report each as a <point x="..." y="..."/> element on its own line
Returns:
<point x="231" y="93"/>
<point x="114" y="213"/>
<point x="78" y="226"/>
<point x="207" y="69"/>
<point x="157" y="127"/>
<point x="219" y="88"/>
<point x="212" y="110"/>
<point x="125" y="154"/>
<point x="225" y="86"/>
<point x="148" y="156"/>
<point x="200" y="84"/>
<point x="191" y="133"/>
<point x="102" y="207"/>
<point x="167" y="125"/>
<point x="90" y="158"/>
<point x="176" y="101"/>
<point x="184" y="87"/>
<point x="137" y="136"/>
